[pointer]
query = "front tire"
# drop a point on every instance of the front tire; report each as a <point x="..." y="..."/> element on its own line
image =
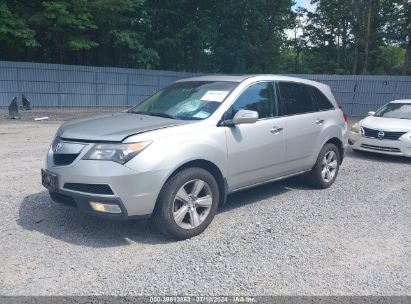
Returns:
<point x="187" y="203"/>
<point x="326" y="168"/>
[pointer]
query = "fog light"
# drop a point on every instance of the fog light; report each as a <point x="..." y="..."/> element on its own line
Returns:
<point x="110" y="208"/>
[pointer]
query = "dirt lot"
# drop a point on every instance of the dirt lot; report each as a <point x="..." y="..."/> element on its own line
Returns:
<point x="282" y="238"/>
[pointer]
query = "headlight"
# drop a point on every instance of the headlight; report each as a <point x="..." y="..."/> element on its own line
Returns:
<point x="355" y="128"/>
<point x="120" y="153"/>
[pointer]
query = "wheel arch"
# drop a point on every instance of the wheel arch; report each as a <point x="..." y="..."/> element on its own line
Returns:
<point x="339" y="144"/>
<point x="212" y="168"/>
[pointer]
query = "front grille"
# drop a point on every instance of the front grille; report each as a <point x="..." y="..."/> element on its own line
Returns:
<point x="387" y="135"/>
<point x="379" y="148"/>
<point x="63" y="199"/>
<point x="90" y="188"/>
<point x="64" y="159"/>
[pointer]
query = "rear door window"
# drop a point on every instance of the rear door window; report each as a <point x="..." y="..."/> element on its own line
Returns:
<point x="296" y="98"/>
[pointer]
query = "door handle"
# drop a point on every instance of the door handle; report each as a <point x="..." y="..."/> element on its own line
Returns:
<point x="276" y="130"/>
<point x="319" y="121"/>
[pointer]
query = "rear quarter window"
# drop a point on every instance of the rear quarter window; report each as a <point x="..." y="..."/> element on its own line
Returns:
<point x="322" y="101"/>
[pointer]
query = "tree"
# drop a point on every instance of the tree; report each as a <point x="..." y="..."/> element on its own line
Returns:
<point x="328" y="32"/>
<point x="14" y="32"/>
<point x="367" y="26"/>
<point x="180" y="33"/>
<point x="248" y="36"/>
<point x="218" y="36"/>
<point x="227" y="36"/>
<point x="298" y="40"/>
<point x="62" y="26"/>
<point x="398" y="28"/>
<point x="344" y="33"/>
<point x="121" y="32"/>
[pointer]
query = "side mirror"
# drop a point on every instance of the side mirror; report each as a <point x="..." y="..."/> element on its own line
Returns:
<point x="245" y="117"/>
<point x="371" y="113"/>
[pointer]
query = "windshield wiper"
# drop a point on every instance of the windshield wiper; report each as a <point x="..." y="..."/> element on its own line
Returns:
<point x="158" y="114"/>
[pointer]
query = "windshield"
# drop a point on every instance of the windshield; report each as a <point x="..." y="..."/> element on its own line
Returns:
<point x="188" y="100"/>
<point x="395" y="110"/>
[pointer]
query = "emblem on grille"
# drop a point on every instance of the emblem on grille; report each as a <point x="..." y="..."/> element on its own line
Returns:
<point x="57" y="146"/>
<point x="381" y="134"/>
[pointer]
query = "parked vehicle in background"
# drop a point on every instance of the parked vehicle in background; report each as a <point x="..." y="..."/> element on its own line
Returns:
<point x="387" y="131"/>
<point x="177" y="155"/>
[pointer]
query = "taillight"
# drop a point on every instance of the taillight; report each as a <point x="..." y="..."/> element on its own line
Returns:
<point x="344" y="114"/>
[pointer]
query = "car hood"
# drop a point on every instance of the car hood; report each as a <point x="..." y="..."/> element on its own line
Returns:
<point x="387" y="124"/>
<point x="114" y="127"/>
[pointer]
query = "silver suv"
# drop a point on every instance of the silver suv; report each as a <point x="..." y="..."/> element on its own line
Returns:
<point x="175" y="156"/>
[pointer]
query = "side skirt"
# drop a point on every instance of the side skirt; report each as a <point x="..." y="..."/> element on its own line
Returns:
<point x="268" y="181"/>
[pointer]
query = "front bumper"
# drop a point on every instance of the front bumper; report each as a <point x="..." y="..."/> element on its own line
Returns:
<point x="401" y="147"/>
<point x="82" y="202"/>
<point x="133" y="191"/>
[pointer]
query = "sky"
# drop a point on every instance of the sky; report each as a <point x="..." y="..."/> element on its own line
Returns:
<point x="304" y="3"/>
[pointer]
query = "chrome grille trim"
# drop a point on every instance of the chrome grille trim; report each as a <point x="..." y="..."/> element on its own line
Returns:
<point x="65" y="152"/>
<point x="389" y="135"/>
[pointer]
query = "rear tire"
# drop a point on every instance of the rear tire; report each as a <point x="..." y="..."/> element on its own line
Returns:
<point x="326" y="168"/>
<point x="187" y="204"/>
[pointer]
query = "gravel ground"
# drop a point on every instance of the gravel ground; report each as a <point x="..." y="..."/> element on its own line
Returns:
<point x="279" y="239"/>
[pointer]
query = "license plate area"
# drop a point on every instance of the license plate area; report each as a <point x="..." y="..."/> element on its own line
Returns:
<point x="49" y="180"/>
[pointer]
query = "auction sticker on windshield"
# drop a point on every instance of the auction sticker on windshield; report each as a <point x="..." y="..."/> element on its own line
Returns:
<point x="214" y="96"/>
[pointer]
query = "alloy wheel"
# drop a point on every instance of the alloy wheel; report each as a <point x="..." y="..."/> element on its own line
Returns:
<point x="329" y="166"/>
<point x="192" y="204"/>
